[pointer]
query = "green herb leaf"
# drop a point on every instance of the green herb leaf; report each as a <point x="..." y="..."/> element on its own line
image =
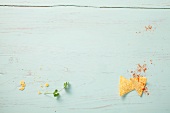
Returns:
<point x="55" y="93"/>
<point x="66" y="84"/>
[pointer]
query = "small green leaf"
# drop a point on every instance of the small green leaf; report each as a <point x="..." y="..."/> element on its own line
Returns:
<point x="56" y="94"/>
<point x="55" y="91"/>
<point x="66" y="84"/>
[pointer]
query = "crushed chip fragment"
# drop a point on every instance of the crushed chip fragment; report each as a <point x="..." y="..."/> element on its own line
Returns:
<point x="139" y="84"/>
<point x="125" y="86"/>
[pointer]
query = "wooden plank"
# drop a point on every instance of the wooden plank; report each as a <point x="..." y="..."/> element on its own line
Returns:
<point x="95" y="3"/>
<point x="90" y="48"/>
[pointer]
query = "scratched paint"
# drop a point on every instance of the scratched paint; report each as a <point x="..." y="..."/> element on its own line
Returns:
<point x="91" y="48"/>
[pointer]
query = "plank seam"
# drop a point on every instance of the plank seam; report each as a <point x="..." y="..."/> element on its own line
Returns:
<point x="43" y="6"/>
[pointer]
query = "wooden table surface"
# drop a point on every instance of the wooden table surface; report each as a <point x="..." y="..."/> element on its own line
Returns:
<point x="89" y="44"/>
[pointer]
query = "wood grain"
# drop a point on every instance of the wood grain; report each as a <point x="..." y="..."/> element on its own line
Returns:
<point x="90" y="48"/>
<point x="95" y="3"/>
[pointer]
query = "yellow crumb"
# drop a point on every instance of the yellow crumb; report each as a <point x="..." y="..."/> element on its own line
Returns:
<point x="21" y="88"/>
<point x="39" y="92"/>
<point x="41" y="86"/>
<point x="23" y="85"/>
<point x="46" y="84"/>
<point x="22" y="82"/>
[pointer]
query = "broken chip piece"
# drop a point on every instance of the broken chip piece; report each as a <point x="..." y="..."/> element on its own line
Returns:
<point x="139" y="84"/>
<point x="125" y="86"/>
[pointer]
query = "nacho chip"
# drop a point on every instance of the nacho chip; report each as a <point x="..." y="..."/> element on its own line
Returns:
<point x="125" y="86"/>
<point x="139" y="84"/>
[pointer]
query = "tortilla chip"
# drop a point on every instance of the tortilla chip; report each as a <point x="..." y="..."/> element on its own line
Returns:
<point x="125" y="86"/>
<point x="139" y="84"/>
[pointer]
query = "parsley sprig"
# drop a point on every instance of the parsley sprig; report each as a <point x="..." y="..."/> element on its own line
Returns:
<point x="56" y="92"/>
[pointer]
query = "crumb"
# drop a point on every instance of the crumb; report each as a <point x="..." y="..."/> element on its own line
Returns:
<point x="22" y="82"/>
<point x="151" y="61"/>
<point x="23" y="85"/>
<point x="41" y="86"/>
<point x="140" y="72"/>
<point x="141" y="68"/>
<point x="39" y="93"/>
<point x="21" y="88"/>
<point x="46" y="85"/>
<point x="149" y="27"/>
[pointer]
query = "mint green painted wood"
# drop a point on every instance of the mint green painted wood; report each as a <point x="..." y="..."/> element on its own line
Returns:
<point x="88" y="47"/>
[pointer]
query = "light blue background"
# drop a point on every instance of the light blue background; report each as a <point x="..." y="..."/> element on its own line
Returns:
<point x="88" y="47"/>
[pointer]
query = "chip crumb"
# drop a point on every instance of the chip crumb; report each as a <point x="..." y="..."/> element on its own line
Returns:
<point x="21" y="88"/>
<point x="22" y="82"/>
<point x="149" y="27"/>
<point x="139" y="79"/>
<point x="23" y="85"/>
<point x="41" y="86"/>
<point x="46" y="84"/>
<point x="151" y="61"/>
<point x="39" y="92"/>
